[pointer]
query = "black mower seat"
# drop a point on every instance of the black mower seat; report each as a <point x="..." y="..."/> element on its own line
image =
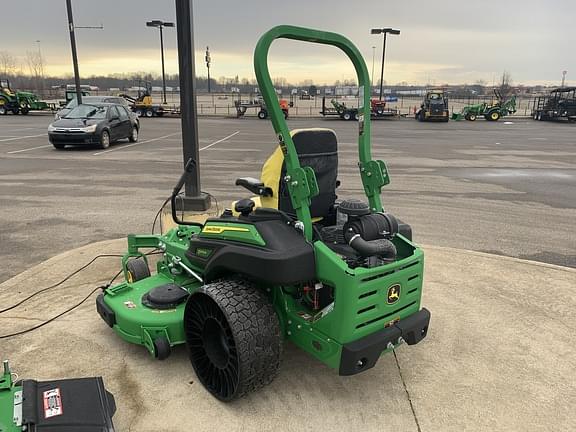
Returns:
<point x="317" y="148"/>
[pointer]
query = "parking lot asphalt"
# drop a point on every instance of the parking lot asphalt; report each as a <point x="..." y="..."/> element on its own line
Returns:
<point x="505" y="187"/>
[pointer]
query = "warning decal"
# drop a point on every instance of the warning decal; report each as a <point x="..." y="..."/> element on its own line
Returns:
<point x="52" y="403"/>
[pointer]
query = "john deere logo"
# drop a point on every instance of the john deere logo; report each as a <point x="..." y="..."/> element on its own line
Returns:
<point x="393" y="294"/>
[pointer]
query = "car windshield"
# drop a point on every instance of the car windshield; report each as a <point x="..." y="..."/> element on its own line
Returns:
<point x="88" y="111"/>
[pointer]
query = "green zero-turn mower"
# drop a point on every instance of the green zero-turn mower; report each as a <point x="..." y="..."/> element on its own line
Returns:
<point x="341" y="280"/>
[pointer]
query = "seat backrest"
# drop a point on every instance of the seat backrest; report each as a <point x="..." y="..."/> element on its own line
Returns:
<point x="316" y="148"/>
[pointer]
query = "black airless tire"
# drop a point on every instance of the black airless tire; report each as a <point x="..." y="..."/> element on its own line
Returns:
<point x="137" y="269"/>
<point x="233" y="338"/>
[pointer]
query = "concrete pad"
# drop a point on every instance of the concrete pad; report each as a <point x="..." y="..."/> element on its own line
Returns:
<point x="499" y="356"/>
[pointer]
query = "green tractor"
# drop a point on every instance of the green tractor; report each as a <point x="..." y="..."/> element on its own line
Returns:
<point x="490" y="111"/>
<point x="18" y="102"/>
<point x="342" y="280"/>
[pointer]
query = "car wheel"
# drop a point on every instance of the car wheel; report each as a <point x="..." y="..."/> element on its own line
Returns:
<point x="471" y="117"/>
<point x="356" y="116"/>
<point x="262" y="114"/>
<point x="59" y="146"/>
<point x="138" y="113"/>
<point x="3" y="110"/>
<point x="149" y="113"/>
<point x="105" y="140"/>
<point x="347" y="116"/>
<point x="134" y="136"/>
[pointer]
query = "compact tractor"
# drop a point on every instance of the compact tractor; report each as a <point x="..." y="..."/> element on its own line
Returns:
<point x="18" y="102"/>
<point x="341" y="279"/>
<point x="142" y="104"/>
<point x="491" y="111"/>
<point x="434" y="107"/>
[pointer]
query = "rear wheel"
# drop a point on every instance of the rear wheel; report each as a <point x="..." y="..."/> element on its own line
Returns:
<point x="347" y="115"/>
<point x="105" y="140"/>
<point x="149" y="113"/>
<point x="233" y="338"/>
<point x="493" y="116"/>
<point x="356" y="116"/>
<point x="138" y="112"/>
<point x="262" y="114"/>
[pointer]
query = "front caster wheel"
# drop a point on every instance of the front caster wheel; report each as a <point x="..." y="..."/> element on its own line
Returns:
<point x="233" y="338"/>
<point x="136" y="269"/>
<point x="162" y="348"/>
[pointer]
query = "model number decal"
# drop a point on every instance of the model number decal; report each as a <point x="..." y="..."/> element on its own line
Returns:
<point x="211" y="229"/>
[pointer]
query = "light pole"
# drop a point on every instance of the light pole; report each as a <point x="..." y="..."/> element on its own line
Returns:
<point x="384" y="31"/>
<point x="161" y="25"/>
<point x="41" y="70"/>
<point x="208" y="65"/>
<point x="564" y="78"/>
<point x="372" y="76"/>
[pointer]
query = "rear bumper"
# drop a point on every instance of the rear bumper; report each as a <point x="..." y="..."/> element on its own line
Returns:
<point x="363" y="354"/>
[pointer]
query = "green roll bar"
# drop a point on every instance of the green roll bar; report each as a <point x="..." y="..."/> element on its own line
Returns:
<point x="302" y="181"/>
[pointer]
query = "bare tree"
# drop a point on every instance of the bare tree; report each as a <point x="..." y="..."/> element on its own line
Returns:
<point x="505" y="86"/>
<point x="35" y="64"/>
<point x="7" y="63"/>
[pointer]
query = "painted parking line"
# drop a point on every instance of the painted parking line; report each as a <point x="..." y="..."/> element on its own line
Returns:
<point x="27" y="149"/>
<point x="219" y="141"/>
<point x="135" y="144"/>
<point x="23" y="137"/>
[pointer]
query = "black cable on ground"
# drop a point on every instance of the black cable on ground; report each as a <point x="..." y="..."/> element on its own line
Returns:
<point x="215" y="200"/>
<point x="159" y="214"/>
<point x="152" y="252"/>
<point x="61" y="282"/>
<point x="70" y="309"/>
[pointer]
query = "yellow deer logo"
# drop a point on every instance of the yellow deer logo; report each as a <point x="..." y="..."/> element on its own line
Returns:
<point x="393" y="294"/>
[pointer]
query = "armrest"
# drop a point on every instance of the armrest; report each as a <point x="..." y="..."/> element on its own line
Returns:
<point x="255" y="186"/>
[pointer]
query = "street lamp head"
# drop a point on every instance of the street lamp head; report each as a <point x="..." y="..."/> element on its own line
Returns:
<point x="159" y="23"/>
<point x="385" y="30"/>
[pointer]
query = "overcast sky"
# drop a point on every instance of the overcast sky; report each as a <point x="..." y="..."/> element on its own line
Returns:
<point x="441" y="41"/>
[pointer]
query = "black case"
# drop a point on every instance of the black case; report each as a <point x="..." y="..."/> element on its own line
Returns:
<point x="86" y="406"/>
